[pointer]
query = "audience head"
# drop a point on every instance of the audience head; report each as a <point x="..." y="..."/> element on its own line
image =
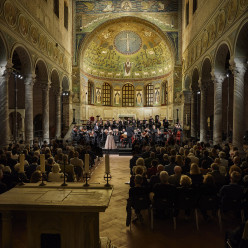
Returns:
<point x="152" y="155"/>
<point x="140" y="161"/>
<point x="7" y="169"/>
<point x="208" y="179"/>
<point x="236" y="160"/>
<point x="164" y="177"/>
<point x="222" y="155"/>
<point x="139" y="170"/>
<point x="185" y="181"/>
<point x="194" y="169"/>
<point x="235" y="177"/>
<point x="245" y="181"/>
<point x="160" y="168"/>
<point x="177" y="170"/>
<point x="234" y="168"/>
<point x="215" y="167"/>
<point x="138" y="179"/>
<point x="181" y="151"/>
<point x="36" y="177"/>
<point x="165" y="157"/>
<point x="56" y="168"/>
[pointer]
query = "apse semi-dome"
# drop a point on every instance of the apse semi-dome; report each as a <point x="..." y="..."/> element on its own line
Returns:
<point x="126" y="50"/>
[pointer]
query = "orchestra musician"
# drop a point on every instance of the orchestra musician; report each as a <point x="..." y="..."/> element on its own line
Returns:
<point x="126" y="130"/>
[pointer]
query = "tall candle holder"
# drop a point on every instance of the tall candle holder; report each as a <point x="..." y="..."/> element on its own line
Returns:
<point x="21" y="183"/>
<point x="107" y="178"/>
<point x="86" y="176"/>
<point x="42" y="178"/>
<point x="64" y="183"/>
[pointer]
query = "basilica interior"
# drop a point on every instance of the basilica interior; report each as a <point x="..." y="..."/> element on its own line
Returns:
<point x="63" y="62"/>
<point x="123" y="59"/>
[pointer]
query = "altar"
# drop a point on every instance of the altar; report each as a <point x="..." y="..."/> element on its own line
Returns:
<point x="64" y="216"/>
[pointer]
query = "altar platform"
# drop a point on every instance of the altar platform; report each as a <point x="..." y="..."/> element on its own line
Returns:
<point x="64" y="216"/>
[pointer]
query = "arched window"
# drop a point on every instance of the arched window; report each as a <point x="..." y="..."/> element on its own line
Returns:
<point x="90" y="92"/>
<point x="106" y="94"/>
<point x="164" y="93"/>
<point x="149" y="95"/>
<point x="128" y="95"/>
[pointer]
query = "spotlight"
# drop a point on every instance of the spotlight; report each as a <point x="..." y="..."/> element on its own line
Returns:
<point x="227" y="75"/>
<point x="198" y="92"/>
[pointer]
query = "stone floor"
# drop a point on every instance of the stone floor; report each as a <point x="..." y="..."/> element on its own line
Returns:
<point x="112" y="222"/>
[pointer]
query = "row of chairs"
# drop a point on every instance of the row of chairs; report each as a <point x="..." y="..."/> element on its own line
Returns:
<point x="186" y="203"/>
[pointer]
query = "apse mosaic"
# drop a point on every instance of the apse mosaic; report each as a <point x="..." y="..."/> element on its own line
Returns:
<point x="126" y="50"/>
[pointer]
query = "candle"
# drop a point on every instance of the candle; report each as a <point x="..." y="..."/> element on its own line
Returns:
<point x="22" y="158"/>
<point x="42" y="163"/>
<point x="107" y="168"/>
<point x="87" y="164"/>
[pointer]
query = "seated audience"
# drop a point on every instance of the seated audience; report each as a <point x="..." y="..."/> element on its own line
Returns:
<point x="55" y="175"/>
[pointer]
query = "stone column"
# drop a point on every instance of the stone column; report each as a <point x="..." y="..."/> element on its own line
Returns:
<point x="203" y="115"/>
<point x="239" y="70"/>
<point x="4" y="106"/>
<point x="58" y="113"/>
<point x="193" y="115"/>
<point x="45" y="111"/>
<point x="218" y="80"/>
<point x="29" y="127"/>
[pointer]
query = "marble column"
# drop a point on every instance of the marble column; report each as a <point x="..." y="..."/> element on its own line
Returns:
<point x="193" y="127"/>
<point x="58" y="113"/>
<point x="203" y="114"/>
<point x="218" y="80"/>
<point x="29" y="127"/>
<point x="239" y="70"/>
<point x="4" y="106"/>
<point x="45" y="111"/>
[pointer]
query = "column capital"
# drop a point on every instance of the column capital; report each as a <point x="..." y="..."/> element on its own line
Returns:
<point x="45" y="85"/>
<point x="5" y="71"/>
<point x="58" y="91"/>
<point x="203" y="83"/>
<point x="238" y="67"/>
<point x="30" y="79"/>
<point x="218" y="77"/>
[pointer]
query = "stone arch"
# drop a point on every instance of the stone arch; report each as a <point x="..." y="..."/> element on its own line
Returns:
<point x="195" y="104"/>
<point x="41" y="100"/>
<point x="21" y="95"/>
<point x="222" y="57"/>
<point x="240" y="48"/>
<point x="65" y="105"/>
<point x="240" y="66"/>
<point x="65" y="83"/>
<point x="54" y="92"/>
<point x="41" y="70"/>
<point x="24" y="56"/>
<point x="187" y="82"/>
<point x="195" y="80"/>
<point x="208" y="108"/>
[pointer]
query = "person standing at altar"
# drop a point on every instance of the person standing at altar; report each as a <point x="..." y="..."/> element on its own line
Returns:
<point x="130" y="133"/>
<point x="165" y="124"/>
<point x="110" y="142"/>
<point x="96" y="133"/>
